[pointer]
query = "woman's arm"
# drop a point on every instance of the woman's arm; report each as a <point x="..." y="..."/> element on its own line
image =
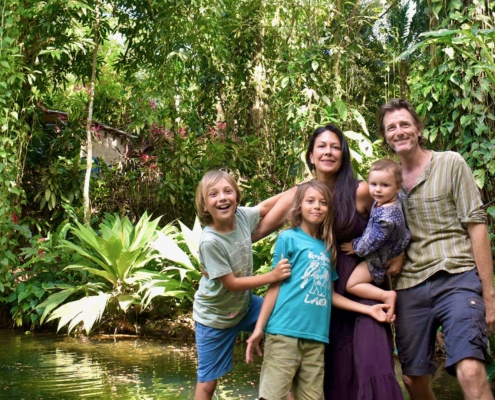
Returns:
<point x="281" y="271"/>
<point x="377" y="311"/>
<point x="276" y="217"/>
<point x="253" y="343"/>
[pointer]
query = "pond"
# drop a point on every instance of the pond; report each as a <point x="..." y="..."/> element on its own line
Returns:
<point x="48" y="366"/>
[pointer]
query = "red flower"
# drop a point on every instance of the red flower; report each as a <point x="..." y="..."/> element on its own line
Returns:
<point x="14" y="218"/>
<point x="42" y="253"/>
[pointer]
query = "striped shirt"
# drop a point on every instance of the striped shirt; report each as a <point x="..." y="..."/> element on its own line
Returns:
<point x="438" y="208"/>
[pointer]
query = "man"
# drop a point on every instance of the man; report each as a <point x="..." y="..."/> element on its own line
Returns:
<point x="447" y="279"/>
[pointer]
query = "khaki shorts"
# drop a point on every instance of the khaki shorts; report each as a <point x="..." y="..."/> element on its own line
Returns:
<point x="292" y="363"/>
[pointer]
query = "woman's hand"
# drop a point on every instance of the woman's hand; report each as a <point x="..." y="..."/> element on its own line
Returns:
<point x="394" y="266"/>
<point x="347" y="248"/>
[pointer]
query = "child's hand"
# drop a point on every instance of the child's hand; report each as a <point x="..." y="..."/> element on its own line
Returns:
<point x="281" y="271"/>
<point x="253" y="343"/>
<point x="379" y="312"/>
<point x="347" y="248"/>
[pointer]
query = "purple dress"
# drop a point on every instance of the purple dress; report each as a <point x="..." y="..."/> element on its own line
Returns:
<point x="359" y="361"/>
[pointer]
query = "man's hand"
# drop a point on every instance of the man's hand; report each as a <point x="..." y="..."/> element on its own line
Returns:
<point x="253" y="343"/>
<point x="489" y="299"/>
<point x="281" y="271"/>
<point x="347" y="248"/>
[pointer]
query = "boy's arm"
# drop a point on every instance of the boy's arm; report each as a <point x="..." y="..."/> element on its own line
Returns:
<point x="253" y="343"/>
<point x="266" y="205"/>
<point x="276" y="216"/>
<point x="279" y="273"/>
<point x="376" y="311"/>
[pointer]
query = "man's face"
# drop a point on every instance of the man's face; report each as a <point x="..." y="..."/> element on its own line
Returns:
<point x="401" y="134"/>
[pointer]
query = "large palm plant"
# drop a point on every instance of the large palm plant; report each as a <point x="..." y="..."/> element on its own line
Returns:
<point x="120" y="253"/>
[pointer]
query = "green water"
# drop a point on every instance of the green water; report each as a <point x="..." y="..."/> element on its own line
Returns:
<point x="48" y="366"/>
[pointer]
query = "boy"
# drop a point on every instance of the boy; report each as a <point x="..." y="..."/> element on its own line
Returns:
<point x="224" y="304"/>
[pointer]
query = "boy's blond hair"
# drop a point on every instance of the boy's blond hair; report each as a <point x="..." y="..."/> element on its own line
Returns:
<point x="210" y="179"/>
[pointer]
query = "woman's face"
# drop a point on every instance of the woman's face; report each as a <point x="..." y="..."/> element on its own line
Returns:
<point x="326" y="155"/>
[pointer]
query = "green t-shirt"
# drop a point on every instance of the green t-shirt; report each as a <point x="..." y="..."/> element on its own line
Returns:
<point x="221" y="254"/>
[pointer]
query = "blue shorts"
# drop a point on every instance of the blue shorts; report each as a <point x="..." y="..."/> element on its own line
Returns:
<point x="216" y="346"/>
<point x="453" y="301"/>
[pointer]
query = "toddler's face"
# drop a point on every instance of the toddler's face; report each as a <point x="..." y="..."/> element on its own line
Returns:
<point x="383" y="187"/>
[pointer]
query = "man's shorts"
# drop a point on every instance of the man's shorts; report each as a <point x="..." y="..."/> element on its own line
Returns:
<point x="292" y="362"/>
<point x="453" y="301"/>
<point x="216" y="346"/>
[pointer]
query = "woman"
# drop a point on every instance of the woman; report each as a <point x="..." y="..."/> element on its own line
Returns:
<point x="358" y="360"/>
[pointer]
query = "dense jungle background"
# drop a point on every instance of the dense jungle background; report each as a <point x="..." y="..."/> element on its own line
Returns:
<point x="194" y="85"/>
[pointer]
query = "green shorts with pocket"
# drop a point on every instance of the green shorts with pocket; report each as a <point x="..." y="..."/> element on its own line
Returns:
<point x="292" y="363"/>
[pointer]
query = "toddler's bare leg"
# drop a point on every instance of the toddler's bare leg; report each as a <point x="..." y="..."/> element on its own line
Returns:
<point x="359" y="284"/>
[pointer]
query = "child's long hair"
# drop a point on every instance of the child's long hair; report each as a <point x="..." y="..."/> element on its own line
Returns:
<point x="294" y="216"/>
<point x="210" y="179"/>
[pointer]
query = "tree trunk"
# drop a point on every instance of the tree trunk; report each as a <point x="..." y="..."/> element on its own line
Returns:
<point x="89" y="122"/>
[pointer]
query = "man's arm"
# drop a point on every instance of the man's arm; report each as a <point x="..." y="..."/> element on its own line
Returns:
<point x="483" y="259"/>
<point x="253" y="343"/>
<point x="281" y="271"/>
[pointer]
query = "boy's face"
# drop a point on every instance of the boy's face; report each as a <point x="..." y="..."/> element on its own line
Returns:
<point x="221" y="202"/>
<point x="383" y="187"/>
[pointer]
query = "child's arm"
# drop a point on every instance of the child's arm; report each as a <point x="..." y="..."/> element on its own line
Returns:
<point x="275" y="217"/>
<point x="376" y="311"/>
<point x="281" y="271"/>
<point x="253" y="343"/>
<point x="266" y="205"/>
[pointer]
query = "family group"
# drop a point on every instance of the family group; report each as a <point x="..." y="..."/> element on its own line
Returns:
<point x="408" y="247"/>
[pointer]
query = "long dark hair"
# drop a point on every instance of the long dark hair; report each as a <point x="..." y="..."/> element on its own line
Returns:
<point x="344" y="188"/>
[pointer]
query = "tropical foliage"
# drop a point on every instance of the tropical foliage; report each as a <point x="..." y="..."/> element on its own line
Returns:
<point x="199" y="85"/>
<point x="127" y="258"/>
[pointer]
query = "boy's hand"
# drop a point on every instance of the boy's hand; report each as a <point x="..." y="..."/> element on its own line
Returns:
<point x="281" y="271"/>
<point x="379" y="312"/>
<point x="253" y="343"/>
<point x="347" y="248"/>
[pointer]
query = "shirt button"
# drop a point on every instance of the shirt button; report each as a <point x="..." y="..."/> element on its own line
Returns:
<point x="473" y="302"/>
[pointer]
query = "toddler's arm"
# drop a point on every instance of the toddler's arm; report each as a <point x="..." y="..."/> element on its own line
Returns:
<point x="281" y="271"/>
<point x="253" y="343"/>
<point x="377" y="311"/>
<point x="374" y="238"/>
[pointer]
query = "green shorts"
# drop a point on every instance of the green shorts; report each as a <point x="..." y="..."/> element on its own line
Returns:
<point x="292" y="363"/>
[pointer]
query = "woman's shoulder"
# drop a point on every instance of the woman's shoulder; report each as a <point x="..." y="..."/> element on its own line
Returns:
<point x="364" y="201"/>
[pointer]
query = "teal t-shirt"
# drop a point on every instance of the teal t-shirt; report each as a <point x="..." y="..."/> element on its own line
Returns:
<point x="221" y="254"/>
<point x="304" y="302"/>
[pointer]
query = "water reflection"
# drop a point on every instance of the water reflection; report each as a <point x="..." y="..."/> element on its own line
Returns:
<point x="45" y="366"/>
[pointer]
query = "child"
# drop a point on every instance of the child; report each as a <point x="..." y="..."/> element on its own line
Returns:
<point x="385" y="237"/>
<point x="298" y="309"/>
<point x="223" y="304"/>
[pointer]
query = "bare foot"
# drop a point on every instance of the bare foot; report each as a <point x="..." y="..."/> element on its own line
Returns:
<point x="389" y="298"/>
